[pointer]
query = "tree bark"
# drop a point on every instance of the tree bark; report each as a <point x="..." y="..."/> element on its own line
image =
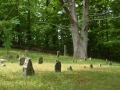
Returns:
<point x="84" y="31"/>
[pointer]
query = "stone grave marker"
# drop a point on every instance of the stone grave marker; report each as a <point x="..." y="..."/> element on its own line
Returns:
<point x="26" y="53"/>
<point x="69" y="68"/>
<point x="57" y="66"/>
<point x="3" y="65"/>
<point x="17" y="56"/>
<point x="28" y="68"/>
<point x="91" y="66"/>
<point x="100" y="65"/>
<point x="40" y="61"/>
<point x="110" y="63"/>
<point x="10" y="56"/>
<point x="21" y="61"/>
<point x="58" y="54"/>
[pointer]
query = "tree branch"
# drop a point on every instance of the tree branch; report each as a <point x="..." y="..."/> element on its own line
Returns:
<point x="67" y="11"/>
<point x="10" y="12"/>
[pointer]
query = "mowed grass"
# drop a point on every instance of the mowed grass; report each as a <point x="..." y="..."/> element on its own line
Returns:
<point x="99" y="78"/>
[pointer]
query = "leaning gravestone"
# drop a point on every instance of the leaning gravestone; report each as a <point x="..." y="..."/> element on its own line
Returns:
<point x="40" y="61"/>
<point x="21" y="60"/>
<point x="57" y="66"/>
<point x="27" y="67"/>
<point x="69" y="68"/>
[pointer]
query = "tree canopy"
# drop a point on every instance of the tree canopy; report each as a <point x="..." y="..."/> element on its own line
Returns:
<point x="43" y="25"/>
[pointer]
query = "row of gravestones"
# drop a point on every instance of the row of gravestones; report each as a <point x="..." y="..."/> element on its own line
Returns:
<point x="28" y="68"/>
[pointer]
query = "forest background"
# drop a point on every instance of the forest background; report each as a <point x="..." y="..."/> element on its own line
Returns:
<point x="42" y="25"/>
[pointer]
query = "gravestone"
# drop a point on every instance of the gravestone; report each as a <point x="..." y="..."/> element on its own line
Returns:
<point x="90" y="58"/>
<point x="10" y="56"/>
<point x="58" y="54"/>
<point x="85" y="59"/>
<point x="84" y="66"/>
<point x="21" y="60"/>
<point x="65" y="50"/>
<point x="69" y="68"/>
<point x="17" y="56"/>
<point x="3" y="65"/>
<point x="110" y="63"/>
<point x="106" y="61"/>
<point x="26" y="53"/>
<point x="27" y="67"/>
<point x="91" y="66"/>
<point x="57" y="66"/>
<point x="40" y="61"/>
<point x="74" y="60"/>
<point x="100" y="65"/>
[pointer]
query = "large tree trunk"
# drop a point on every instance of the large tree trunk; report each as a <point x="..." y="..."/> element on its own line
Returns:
<point x="84" y="31"/>
<point x="79" y="43"/>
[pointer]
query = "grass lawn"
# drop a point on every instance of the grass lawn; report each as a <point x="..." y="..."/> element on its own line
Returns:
<point x="99" y="78"/>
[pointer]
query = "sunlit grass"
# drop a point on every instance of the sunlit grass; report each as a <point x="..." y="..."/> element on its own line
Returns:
<point x="98" y="78"/>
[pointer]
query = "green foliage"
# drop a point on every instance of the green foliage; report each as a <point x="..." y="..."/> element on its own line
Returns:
<point x="7" y="32"/>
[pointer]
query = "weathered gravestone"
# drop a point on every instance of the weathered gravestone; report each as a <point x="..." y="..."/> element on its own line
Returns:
<point x="110" y="63"/>
<point x="74" y="60"/>
<point x="21" y="60"/>
<point x="69" y="68"/>
<point x="10" y="56"/>
<point x="27" y="67"/>
<point x="3" y="65"/>
<point x="100" y="65"/>
<point x="57" y="66"/>
<point x="91" y="66"/>
<point x="40" y="61"/>
<point x="17" y="56"/>
<point x="58" y="54"/>
<point x="26" y="53"/>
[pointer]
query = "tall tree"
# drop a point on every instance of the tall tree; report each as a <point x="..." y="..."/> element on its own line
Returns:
<point x="80" y="39"/>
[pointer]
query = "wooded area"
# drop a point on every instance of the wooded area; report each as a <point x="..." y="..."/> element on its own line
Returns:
<point x="89" y="28"/>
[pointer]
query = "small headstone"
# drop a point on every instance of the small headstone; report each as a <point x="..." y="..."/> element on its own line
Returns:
<point x="10" y="56"/>
<point x="2" y="60"/>
<point x="26" y="53"/>
<point x="58" y="53"/>
<point x="21" y="61"/>
<point x="106" y="61"/>
<point x="84" y="66"/>
<point x="69" y="68"/>
<point x="100" y="65"/>
<point x="109" y="63"/>
<point x="3" y="65"/>
<point x="27" y="67"/>
<point x="40" y="61"/>
<point x="90" y="58"/>
<point x="57" y="66"/>
<point x="74" y="60"/>
<point x="91" y="66"/>
<point x="17" y="56"/>
<point x="85" y="59"/>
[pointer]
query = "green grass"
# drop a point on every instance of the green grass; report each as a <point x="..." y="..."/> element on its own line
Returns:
<point x="99" y="78"/>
